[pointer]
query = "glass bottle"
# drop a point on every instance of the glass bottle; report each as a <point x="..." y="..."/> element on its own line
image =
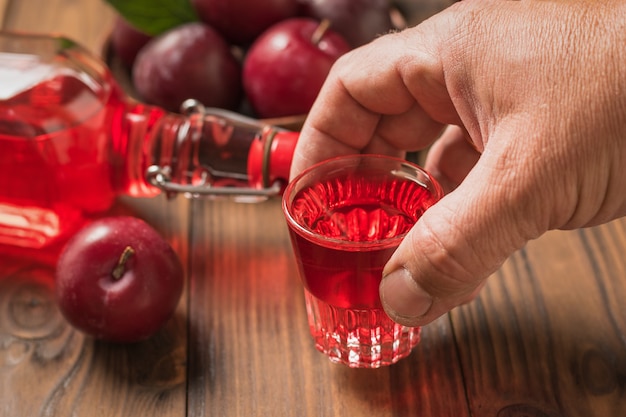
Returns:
<point x="71" y="141"/>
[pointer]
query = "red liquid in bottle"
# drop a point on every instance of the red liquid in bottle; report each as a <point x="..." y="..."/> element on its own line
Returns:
<point x="54" y="157"/>
<point x="364" y="220"/>
<point x="71" y="141"/>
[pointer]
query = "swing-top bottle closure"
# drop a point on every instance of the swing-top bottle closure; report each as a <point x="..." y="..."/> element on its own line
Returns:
<point x="273" y="148"/>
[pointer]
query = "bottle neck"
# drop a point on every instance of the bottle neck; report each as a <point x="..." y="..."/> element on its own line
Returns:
<point x="200" y="152"/>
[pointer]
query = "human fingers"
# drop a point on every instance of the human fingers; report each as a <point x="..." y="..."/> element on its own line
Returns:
<point x="458" y="242"/>
<point x="451" y="157"/>
<point x="370" y="101"/>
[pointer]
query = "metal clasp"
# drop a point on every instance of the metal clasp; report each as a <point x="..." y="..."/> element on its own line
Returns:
<point x="161" y="177"/>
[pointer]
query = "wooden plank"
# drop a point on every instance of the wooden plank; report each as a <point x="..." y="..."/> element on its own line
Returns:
<point x="547" y="336"/>
<point x="250" y="349"/>
<point x="4" y="4"/>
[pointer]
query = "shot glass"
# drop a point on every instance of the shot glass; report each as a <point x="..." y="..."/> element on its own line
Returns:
<point x="346" y="216"/>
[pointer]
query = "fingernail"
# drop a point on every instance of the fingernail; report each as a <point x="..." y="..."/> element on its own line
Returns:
<point x="403" y="296"/>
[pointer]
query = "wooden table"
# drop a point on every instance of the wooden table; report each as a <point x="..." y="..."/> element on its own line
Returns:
<point x="546" y="337"/>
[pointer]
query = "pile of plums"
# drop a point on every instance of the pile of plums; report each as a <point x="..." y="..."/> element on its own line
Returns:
<point x="270" y="57"/>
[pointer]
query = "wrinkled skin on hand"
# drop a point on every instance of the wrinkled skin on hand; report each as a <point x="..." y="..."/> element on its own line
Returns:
<point x="531" y="99"/>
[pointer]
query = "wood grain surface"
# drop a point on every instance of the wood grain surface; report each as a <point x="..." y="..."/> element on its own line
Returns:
<point x="545" y="338"/>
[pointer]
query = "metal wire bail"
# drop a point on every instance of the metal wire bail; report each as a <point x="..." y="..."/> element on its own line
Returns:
<point x="161" y="177"/>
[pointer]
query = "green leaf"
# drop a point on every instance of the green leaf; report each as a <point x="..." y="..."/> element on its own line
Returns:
<point x="155" y="16"/>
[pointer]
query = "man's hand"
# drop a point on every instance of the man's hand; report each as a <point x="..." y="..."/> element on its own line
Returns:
<point x="532" y="97"/>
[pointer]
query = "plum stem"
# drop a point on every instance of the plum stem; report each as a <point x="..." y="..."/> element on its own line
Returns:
<point x="120" y="268"/>
<point x="320" y="31"/>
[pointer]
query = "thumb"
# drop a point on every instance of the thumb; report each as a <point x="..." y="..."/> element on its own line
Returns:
<point x="446" y="257"/>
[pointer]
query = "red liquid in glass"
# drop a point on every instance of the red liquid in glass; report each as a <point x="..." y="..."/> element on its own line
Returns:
<point x="364" y="220"/>
<point x="345" y="274"/>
